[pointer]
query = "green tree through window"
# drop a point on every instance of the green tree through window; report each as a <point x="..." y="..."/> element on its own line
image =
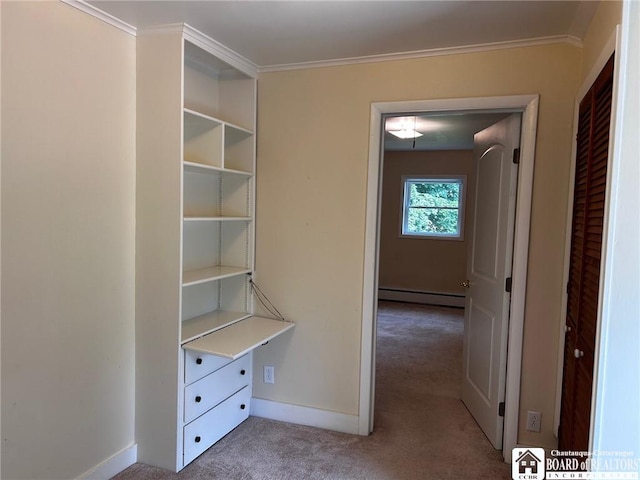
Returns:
<point x="433" y="207"/>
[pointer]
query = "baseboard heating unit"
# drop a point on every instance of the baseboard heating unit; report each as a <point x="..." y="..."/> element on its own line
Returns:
<point x="414" y="296"/>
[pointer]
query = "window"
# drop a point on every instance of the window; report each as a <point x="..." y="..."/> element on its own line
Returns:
<point x="433" y="207"/>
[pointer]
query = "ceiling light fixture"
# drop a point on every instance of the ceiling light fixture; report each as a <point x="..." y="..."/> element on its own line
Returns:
<point x="403" y="127"/>
<point x="405" y="133"/>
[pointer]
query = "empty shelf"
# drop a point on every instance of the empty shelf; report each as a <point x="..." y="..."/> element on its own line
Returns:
<point x="202" y="275"/>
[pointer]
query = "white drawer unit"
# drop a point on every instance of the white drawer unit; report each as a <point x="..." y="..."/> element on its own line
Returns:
<point x="217" y="380"/>
<point x="198" y="365"/>
<point x="215" y="424"/>
<point x="207" y="392"/>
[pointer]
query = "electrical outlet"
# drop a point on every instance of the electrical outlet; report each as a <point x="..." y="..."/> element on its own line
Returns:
<point x="534" y="419"/>
<point x="269" y="374"/>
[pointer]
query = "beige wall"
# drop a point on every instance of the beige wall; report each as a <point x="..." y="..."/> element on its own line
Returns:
<point x="68" y="178"/>
<point x="68" y="204"/>
<point x="421" y="264"/>
<point x="312" y="161"/>
<point x="602" y="27"/>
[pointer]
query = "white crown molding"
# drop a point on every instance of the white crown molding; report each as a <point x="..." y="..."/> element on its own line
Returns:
<point x="252" y="69"/>
<point x="207" y="43"/>
<point x="221" y="51"/>
<point x="164" y="28"/>
<point x="100" y="15"/>
<point x="191" y="34"/>
<point x="435" y="52"/>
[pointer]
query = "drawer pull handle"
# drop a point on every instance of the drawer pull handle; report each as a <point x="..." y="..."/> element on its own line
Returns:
<point x="198" y="398"/>
<point x="198" y="439"/>
<point x="199" y="361"/>
<point x="243" y="406"/>
<point x="242" y="372"/>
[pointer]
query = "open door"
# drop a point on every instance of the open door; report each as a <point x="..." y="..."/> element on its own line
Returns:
<point x="488" y="276"/>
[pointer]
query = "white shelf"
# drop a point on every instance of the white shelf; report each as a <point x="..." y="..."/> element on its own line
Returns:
<point x="209" y="322"/>
<point x="202" y="168"/>
<point x="217" y="219"/>
<point x="204" y="122"/>
<point x="196" y="123"/>
<point x="209" y="274"/>
<point x="239" y="338"/>
<point x="235" y="133"/>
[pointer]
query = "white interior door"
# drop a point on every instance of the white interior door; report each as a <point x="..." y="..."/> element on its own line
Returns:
<point x="488" y="267"/>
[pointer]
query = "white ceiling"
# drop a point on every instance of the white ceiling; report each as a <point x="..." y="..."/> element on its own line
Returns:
<point x="276" y="33"/>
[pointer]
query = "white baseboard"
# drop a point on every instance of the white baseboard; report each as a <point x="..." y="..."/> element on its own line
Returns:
<point x="312" y="417"/>
<point x="113" y="465"/>
<point x="430" y="298"/>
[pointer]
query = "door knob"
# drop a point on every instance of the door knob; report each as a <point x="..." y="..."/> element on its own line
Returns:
<point x="465" y="284"/>
<point x="578" y="353"/>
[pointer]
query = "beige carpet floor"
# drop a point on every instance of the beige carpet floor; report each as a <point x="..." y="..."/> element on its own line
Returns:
<point x="422" y="429"/>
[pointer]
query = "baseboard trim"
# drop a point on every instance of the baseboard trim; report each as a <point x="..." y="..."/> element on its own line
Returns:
<point x="113" y="465"/>
<point x="312" y="417"/>
<point x="430" y="298"/>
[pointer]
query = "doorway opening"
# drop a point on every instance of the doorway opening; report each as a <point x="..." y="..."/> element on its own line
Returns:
<point x="527" y="106"/>
<point x="426" y="201"/>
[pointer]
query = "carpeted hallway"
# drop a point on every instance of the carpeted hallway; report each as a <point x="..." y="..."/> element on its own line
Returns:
<point x="422" y="431"/>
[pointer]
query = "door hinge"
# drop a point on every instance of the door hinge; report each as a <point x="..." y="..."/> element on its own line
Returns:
<point x="501" y="409"/>
<point x="507" y="285"/>
<point x="516" y="155"/>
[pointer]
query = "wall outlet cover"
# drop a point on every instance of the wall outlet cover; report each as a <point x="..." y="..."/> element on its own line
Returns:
<point x="534" y="421"/>
<point x="269" y="374"/>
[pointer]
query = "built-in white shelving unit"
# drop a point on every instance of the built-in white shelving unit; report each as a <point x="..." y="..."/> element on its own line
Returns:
<point x="195" y="328"/>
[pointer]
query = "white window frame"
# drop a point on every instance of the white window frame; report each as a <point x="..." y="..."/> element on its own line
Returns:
<point x="404" y="214"/>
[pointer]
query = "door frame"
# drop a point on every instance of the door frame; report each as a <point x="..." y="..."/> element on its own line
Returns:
<point x="528" y="106"/>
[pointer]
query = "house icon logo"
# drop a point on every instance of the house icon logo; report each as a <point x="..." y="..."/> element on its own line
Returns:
<point x="527" y="464"/>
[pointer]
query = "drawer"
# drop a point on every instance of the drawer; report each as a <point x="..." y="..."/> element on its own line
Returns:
<point x="197" y="365"/>
<point x="207" y="392"/>
<point x="215" y="424"/>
